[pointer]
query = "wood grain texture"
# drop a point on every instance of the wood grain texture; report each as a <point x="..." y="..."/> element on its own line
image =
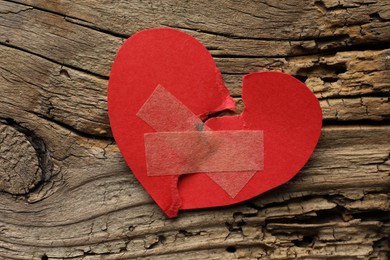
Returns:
<point x="66" y="193"/>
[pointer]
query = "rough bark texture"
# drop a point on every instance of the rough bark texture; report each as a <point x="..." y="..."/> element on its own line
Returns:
<point x="66" y="193"/>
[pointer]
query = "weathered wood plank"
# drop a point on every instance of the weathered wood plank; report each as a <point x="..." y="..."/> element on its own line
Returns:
<point x="65" y="191"/>
<point x="271" y="20"/>
<point x="68" y="43"/>
<point x="54" y="91"/>
<point x="113" y="215"/>
<point x="54" y="38"/>
<point x="78" y="99"/>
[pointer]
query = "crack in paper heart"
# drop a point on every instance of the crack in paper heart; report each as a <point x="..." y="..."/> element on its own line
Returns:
<point x="183" y="144"/>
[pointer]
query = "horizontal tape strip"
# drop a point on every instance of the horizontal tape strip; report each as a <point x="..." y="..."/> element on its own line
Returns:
<point x="176" y="153"/>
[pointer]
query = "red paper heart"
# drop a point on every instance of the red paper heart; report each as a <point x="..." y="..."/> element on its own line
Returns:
<point x="278" y="104"/>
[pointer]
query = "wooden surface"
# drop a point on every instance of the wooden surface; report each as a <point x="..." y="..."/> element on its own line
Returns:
<point x="66" y="193"/>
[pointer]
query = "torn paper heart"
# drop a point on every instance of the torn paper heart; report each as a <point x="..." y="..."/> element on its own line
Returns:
<point x="163" y="83"/>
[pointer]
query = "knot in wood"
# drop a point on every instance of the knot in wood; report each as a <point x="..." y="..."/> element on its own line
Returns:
<point x="19" y="163"/>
